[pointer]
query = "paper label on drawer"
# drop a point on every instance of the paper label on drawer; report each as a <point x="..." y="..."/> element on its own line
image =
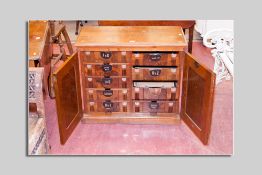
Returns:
<point x="155" y="57"/>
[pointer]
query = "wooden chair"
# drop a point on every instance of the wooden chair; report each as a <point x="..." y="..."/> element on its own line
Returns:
<point x="58" y="39"/>
<point x="40" y="48"/>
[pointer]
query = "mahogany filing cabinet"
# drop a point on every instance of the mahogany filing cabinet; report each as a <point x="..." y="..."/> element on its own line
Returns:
<point x="134" y="75"/>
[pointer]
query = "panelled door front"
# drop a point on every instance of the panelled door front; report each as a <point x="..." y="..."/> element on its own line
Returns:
<point x="68" y="97"/>
<point x="197" y="97"/>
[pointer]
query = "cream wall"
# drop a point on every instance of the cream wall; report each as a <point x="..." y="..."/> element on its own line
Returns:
<point x="204" y="26"/>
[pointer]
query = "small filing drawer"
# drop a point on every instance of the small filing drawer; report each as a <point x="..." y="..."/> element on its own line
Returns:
<point x="108" y="106"/>
<point x="155" y="106"/>
<point x="107" y="69"/>
<point x="105" y="57"/>
<point x="154" y="73"/>
<point x="154" y="93"/>
<point x="107" y="82"/>
<point x="155" y="58"/>
<point x="107" y="94"/>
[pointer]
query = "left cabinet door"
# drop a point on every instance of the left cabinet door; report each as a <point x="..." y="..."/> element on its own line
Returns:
<point x="68" y="97"/>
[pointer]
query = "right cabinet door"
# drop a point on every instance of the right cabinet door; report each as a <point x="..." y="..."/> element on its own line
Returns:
<point x="197" y="97"/>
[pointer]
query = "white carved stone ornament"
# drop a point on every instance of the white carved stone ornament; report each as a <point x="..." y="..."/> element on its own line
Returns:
<point x="37" y="133"/>
<point x="222" y="42"/>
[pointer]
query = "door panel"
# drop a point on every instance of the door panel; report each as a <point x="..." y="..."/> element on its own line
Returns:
<point x="68" y="97"/>
<point x="197" y="97"/>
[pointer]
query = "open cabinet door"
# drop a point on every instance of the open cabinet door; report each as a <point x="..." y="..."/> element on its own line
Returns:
<point x="197" y="97"/>
<point x="68" y="97"/>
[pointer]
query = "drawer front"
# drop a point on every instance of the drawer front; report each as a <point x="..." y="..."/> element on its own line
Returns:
<point x="155" y="106"/>
<point x="107" y="69"/>
<point x="107" y="82"/>
<point x="154" y="73"/>
<point x="108" y="106"/>
<point x="155" y="59"/>
<point x="108" y="94"/>
<point x="105" y="57"/>
<point x="154" y="93"/>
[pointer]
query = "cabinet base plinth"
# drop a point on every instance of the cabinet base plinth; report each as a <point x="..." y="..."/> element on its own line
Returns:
<point x="132" y="118"/>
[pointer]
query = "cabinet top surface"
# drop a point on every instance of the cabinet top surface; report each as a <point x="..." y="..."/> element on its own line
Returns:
<point x="113" y="37"/>
<point x="36" y="37"/>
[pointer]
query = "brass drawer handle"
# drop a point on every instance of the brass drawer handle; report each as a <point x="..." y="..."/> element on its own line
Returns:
<point x="155" y="56"/>
<point x="108" y="93"/>
<point x="107" y="80"/>
<point x="107" y="68"/>
<point x="153" y="105"/>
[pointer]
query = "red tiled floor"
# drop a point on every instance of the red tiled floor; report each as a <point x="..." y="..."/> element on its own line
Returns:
<point x="123" y="139"/>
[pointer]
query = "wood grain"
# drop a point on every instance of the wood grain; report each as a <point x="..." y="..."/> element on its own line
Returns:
<point x="145" y="59"/>
<point x="116" y="82"/>
<point x="37" y="33"/>
<point x="95" y="57"/>
<point x="185" y="24"/>
<point x="132" y="118"/>
<point x="137" y="38"/>
<point x="98" y="70"/>
<point x="97" y="94"/>
<point x="144" y="106"/>
<point x="197" y="97"/>
<point x="165" y="74"/>
<point x="153" y="93"/>
<point x="68" y="97"/>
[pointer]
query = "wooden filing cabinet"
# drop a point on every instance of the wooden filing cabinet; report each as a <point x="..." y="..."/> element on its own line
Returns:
<point x="137" y="74"/>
